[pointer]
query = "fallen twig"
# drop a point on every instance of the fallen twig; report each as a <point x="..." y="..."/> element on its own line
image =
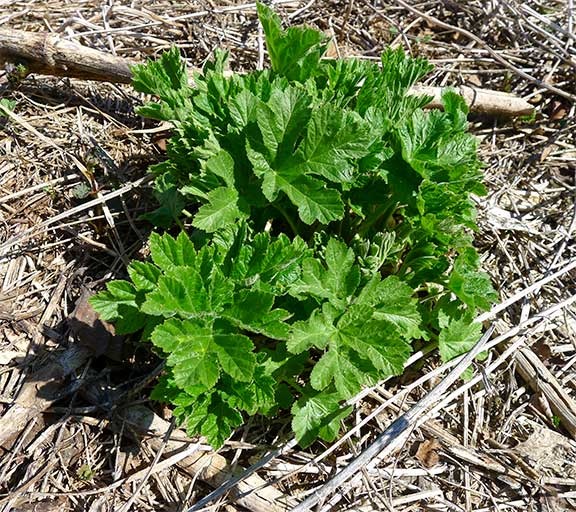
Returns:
<point x="49" y="54"/>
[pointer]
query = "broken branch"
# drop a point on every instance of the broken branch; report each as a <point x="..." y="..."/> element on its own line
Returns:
<point x="49" y="54"/>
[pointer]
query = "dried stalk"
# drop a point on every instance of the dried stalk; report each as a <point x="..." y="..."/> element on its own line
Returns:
<point x="253" y="493"/>
<point x="540" y="379"/>
<point x="49" y="54"/>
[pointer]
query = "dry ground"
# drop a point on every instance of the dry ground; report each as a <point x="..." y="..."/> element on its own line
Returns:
<point x="504" y="440"/>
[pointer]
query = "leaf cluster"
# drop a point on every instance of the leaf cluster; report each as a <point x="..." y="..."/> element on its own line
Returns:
<point x="330" y="219"/>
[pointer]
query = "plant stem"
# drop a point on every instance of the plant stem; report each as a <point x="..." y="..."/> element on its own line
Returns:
<point x="288" y="219"/>
<point x="384" y="210"/>
<point x="295" y="385"/>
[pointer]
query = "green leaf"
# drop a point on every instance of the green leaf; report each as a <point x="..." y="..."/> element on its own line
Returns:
<point x="282" y="118"/>
<point x="235" y="355"/>
<point x="294" y="53"/>
<point x="198" y="349"/>
<point x="334" y="139"/>
<point x="400" y="71"/>
<point x="458" y="338"/>
<point x="120" y="303"/>
<point x="221" y="210"/>
<point x="314" y="332"/>
<point x="274" y="264"/>
<point x="220" y="422"/>
<point x="144" y="275"/>
<point x="264" y="388"/>
<point x="374" y="340"/>
<point x="312" y="414"/>
<point x="393" y="304"/>
<point x="330" y="429"/>
<point x="193" y="354"/>
<point x="212" y="417"/>
<point x="470" y="285"/>
<point x="343" y="276"/>
<point x="184" y="295"/>
<point x="336" y="366"/>
<point x="314" y="200"/>
<point x="252" y="310"/>
<point x="359" y="348"/>
<point x="456" y="108"/>
<point x="168" y="392"/>
<point x="168" y="252"/>
<point x="171" y="201"/>
<point x="167" y="79"/>
<point x="312" y="281"/>
<point x="222" y="165"/>
<point x="118" y="293"/>
<point x="337" y="282"/>
<point x="243" y="108"/>
<point x="195" y="414"/>
<point x="220" y="291"/>
<point x="6" y="104"/>
<point x="259" y="395"/>
<point x="161" y="77"/>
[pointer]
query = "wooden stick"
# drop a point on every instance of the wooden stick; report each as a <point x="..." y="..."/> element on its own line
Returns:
<point x="480" y="101"/>
<point x="540" y="379"/>
<point x="49" y="54"/>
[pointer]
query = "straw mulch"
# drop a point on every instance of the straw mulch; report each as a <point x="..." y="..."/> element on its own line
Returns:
<point x="73" y="160"/>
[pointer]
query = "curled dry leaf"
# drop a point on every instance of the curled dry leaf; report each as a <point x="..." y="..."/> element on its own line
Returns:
<point x="549" y="452"/>
<point x="93" y="332"/>
<point x="427" y="453"/>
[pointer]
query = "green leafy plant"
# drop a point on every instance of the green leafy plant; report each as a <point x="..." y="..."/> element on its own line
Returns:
<point x="326" y="229"/>
<point x="6" y="105"/>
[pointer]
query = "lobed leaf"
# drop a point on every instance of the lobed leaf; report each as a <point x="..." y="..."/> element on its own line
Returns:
<point x="457" y="338"/>
<point x="168" y="252"/>
<point x="316" y="415"/>
<point x="393" y="304"/>
<point x="294" y="53"/>
<point x="221" y="210"/>
<point x="192" y="355"/>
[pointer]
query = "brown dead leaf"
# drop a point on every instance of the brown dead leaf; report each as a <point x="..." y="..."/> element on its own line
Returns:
<point x="546" y="151"/>
<point x="474" y="81"/>
<point x="427" y="454"/>
<point x="549" y="452"/>
<point x="332" y="51"/>
<point x="558" y="110"/>
<point x="93" y="332"/>
<point x="161" y="143"/>
<point x="542" y="350"/>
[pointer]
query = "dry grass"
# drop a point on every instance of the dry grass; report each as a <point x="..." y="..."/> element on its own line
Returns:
<point x="503" y="441"/>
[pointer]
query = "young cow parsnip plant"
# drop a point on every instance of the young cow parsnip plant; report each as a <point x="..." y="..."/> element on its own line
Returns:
<point x="326" y="229"/>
